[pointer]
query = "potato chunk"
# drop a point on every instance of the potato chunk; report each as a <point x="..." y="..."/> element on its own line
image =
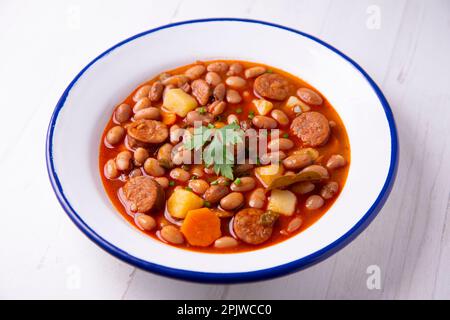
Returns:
<point x="267" y="174"/>
<point x="283" y="202"/>
<point x="263" y="106"/>
<point x="179" y="102"/>
<point x="181" y="201"/>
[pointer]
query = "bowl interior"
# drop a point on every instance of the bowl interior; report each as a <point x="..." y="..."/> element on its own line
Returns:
<point x="90" y="101"/>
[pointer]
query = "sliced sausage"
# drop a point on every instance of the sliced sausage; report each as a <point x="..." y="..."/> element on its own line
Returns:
<point x="312" y="128"/>
<point x="148" y="131"/>
<point x="253" y="226"/>
<point x="201" y="91"/>
<point x="272" y="86"/>
<point x="144" y="194"/>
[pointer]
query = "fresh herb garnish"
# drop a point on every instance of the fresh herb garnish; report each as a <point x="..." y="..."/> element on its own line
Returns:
<point x="207" y="204"/>
<point x="188" y="188"/>
<point x="239" y="110"/>
<point x="171" y="183"/>
<point x="218" y="146"/>
<point x="251" y="115"/>
<point x="286" y="135"/>
<point x="202" y="110"/>
<point x="237" y="181"/>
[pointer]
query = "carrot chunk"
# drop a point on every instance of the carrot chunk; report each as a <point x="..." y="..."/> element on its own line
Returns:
<point x="201" y="227"/>
<point x="168" y="118"/>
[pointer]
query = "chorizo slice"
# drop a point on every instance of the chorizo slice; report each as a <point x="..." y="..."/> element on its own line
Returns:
<point x="148" y="131"/>
<point x="201" y="91"/>
<point x="272" y="86"/>
<point x="312" y="128"/>
<point x="144" y="194"/>
<point x="254" y="226"/>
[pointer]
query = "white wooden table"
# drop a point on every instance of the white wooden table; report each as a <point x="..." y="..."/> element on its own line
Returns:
<point x="404" y="45"/>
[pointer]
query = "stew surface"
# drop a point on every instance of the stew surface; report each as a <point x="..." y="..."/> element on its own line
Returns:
<point x="224" y="156"/>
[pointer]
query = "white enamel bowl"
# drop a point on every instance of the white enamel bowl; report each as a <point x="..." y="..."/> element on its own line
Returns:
<point x="86" y="105"/>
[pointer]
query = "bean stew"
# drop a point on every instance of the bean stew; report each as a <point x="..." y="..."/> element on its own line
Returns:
<point x="224" y="156"/>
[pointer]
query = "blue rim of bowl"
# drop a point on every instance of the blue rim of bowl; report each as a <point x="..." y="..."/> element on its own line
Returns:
<point x="236" y="277"/>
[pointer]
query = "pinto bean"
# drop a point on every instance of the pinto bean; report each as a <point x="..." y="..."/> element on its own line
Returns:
<point x="145" y="222"/>
<point x="141" y="104"/>
<point x="297" y="161"/>
<point x="243" y="184"/>
<point x="123" y="160"/>
<point x="172" y="234"/>
<point x="176" y="133"/>
<point x="163" y="182"/>
<point x="243" y="169"/>
<point x="236" y="82"/>
<point x="232" y="118"/>
<point x="141" y="92"/>
<point x="313" y="153"/>
<point x="336" y="161"/>
<point x="254" y="72"/>
<point x="219" y="92"/>
<point x="264" y="122"/>
<point x="217" y="107"/>
<point x="181" y="155"/>
<point x="312" y="128"/>
<point x="294" y="224"/>
<point x="302" y="187"/>
<point x="329" y="190"/>
<point x="272" y="86"/>
<point x="273" y="157"/>
<point x="195" y="116"/>
<point x="213" y="78"/>
<point x="115" y="135"/>
<point x="150" y="113"/>
<point x="156" y="91"/>
<point x="218" y="66"/>
<point x="199" y="186"/>
<point x="123" y="113"/>
<point x="314" y="202"/>
<point x="235" y="69"/>
<point x="225" y="242"/>
<point x="197" y="171"/>
<point x="164" y="156"/>
<point x="310" y="96"/>
<point x="233" y="96"/>
<point x="153" y="168"/>
<point x="215" y="193"/>
<point x="232" y="201"/>
<point x="186" y="87"/>
<point x="144" y="194"/>
<point x="280" y="117"/>
<point x="257" y="198"/>
<point x="110" y="170"/>
<point x="222" y="181"/>
<point x="135" y="173"/>
<point x="176" y="80"/>
<point x="180" y="174"/>
<point x="201" y="91"/>
<point x="195" y="72"/>
<point x="319" y="169"/>
<point x="280" y="144"/>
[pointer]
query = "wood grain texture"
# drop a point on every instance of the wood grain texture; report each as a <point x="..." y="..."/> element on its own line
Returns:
<point x="45" y="44"/>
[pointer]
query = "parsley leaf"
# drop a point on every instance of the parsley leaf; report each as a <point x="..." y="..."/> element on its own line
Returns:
<point x="220" y="150"/>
